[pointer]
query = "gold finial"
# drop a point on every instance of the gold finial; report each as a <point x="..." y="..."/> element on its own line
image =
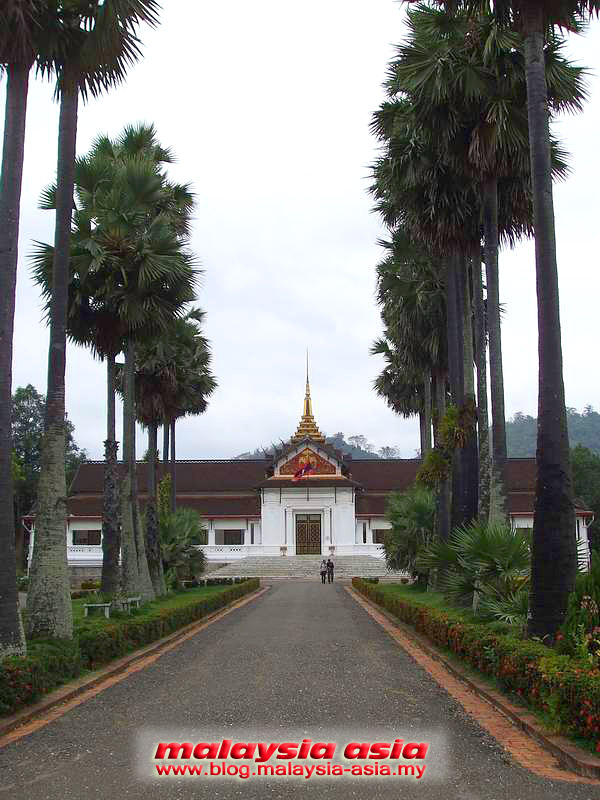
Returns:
<point x="308" y="426"/>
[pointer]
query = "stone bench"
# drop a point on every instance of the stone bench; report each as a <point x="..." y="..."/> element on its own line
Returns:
<point x="131" y="602"/>
<point x="104" y="606"/>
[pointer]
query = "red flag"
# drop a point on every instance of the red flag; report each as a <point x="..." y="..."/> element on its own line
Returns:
<point x="304" y="470"/>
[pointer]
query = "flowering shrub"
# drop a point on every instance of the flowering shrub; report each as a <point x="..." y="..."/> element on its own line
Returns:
<point x="581" y="631"/>
<point x="565" y="689"/>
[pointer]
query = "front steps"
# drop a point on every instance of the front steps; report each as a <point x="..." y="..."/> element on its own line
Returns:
<point x="305" y="567"/>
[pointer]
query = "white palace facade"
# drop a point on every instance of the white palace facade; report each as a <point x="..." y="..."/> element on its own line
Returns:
<point x="263" y="507"/>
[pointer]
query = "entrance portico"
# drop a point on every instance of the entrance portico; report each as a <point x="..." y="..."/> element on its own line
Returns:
<point x="308" y="534"/>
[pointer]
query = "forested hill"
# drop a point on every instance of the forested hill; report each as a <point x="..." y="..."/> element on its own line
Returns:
<point x="584" y="429"/>
<point x="357" y="446"/>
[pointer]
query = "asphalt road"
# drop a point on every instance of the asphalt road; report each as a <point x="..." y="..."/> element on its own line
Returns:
<point x="303" y="661"/>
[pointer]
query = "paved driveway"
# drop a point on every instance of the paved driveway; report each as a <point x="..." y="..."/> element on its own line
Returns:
<point x="302" y="661"/>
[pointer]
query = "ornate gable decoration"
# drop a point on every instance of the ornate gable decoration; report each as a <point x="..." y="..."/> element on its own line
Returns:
<point x="319" y="464"/>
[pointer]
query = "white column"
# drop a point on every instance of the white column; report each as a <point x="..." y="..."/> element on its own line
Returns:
<point x="211" y="533"/>
<point x="369" y="532"/>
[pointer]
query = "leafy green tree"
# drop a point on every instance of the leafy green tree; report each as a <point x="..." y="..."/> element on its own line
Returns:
<point x="181" y="534"/>
<point x="193" y="381"/>
<point x="412" y="516"/>
<point x="94" y="315"/>
<point x="584" y="429"/>
<point x="586" y="483"/>
<point x="27" y="432"/>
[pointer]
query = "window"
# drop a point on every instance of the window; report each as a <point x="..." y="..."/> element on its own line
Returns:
<point x="233" y="537"/>
<point x="251" y="533"/>
<point x="578" y="529"/>
<point x="87" y="537"/>
<point x="379" y="536"/>
<point x="364" y="532"/>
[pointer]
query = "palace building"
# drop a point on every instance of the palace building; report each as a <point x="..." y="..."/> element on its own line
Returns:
<point x="306" y="499"/>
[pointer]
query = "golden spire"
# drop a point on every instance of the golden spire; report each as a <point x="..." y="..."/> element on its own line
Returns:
<point x="308" y="426"/>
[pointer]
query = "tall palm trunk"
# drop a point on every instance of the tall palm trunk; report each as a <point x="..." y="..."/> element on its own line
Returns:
<point x="152" y="538"/>
<point x="456" y="374"/>
<point x="442" y="525"/>
<point x="134" y="562"/>
<point x="173" y="468"/>
<point x="12" y="640"/>
<point x="166" y="429"/>
<point x="554" y="551"/>
<point x="425" y="417"/>
<point x="111" y="539"/>
<point x="469" y="452"/>
<point x="482" y="399"/>
<point x="499" y="455"/>
<point x="49" y="612"/>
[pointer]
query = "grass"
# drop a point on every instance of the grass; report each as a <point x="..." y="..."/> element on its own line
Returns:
<point x="431" y="599"/>
<point x="172" y="601"/>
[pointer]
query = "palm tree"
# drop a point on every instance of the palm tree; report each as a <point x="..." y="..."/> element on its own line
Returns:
<point x="18" y="49"/>
<point x="466" y="78"/>
<point x="411" y="297"/>
<point x="150" y="279"/>
<point x="173" y="378"/>
<point x="94" y="317"/>
<point x="194" y="379"/>
<point x="402" y="389"/>
<point x="153" y="391"/>
<point x="554" y="552"/>
<point x="94" y="46"/>
<point x="416" y="188"/>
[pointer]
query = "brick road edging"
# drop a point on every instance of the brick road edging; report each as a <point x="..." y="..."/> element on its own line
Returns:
<point x="71" y="691"/>
<point x="568" y="755"/>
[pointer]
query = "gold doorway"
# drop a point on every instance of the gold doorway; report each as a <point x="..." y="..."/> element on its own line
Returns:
<point x="308" y="535"/>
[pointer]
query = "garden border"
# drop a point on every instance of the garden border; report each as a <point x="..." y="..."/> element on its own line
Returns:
<point x="567" y="754"/>
<point x="12" y="727"/>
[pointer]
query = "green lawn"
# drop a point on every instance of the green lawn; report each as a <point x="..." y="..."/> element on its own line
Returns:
<point x="171" y="601"/>
<point x="436" y="600"/>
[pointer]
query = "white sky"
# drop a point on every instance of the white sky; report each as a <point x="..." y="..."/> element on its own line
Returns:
<point x="267" y="106"/>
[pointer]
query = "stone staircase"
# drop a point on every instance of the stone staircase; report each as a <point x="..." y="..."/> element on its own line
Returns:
<point x="305" y="567"/>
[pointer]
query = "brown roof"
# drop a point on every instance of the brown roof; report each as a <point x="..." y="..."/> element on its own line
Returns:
<point x="224" y="506"/>
<point x="371" y="505"/>
<point x="230" y="475"/>
<point x="384" y="474"/>
<point x="523" y="503"/>
<point x="376" y="474"/>
<point x="329" y="480"/>
<point x="240" y="479"/>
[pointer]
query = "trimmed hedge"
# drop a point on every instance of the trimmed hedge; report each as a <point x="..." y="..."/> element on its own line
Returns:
<point x="49" y="664"/>
<point x="99" y="645"/>
<point x="565" y="690"/>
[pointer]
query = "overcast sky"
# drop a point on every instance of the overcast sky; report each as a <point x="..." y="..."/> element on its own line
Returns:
<point x="267" y="106"/>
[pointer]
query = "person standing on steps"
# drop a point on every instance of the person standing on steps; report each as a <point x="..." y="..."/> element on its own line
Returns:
<point x="323" y="570"/>
<point x="330" y="566"/>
